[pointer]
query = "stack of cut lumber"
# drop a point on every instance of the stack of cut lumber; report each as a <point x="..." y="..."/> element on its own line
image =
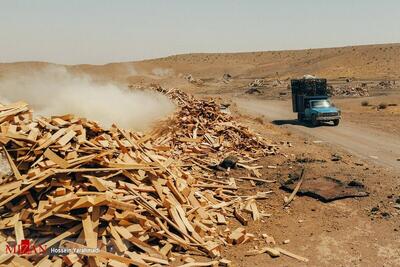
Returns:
<point x="140" y="199"/>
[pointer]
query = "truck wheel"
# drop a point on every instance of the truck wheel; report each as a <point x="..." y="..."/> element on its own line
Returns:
<point x="314" y="121"/>
<point x="336" y="122"/>
<point x="299" y="117"/>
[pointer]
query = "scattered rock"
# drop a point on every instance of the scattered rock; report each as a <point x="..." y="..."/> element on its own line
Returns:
<point x="253" y="90"/>
<point x="287" y="241"/>
<point x="375" y="209"/>
<point x="229" y="162"/>
<point x="193" y="80"/>
<point x="227" y="77"/>
<point x="336" y="157"/>
<point x="269" y="239"/>
<point x="272" y="252"/>
<point x="356" y="183"/>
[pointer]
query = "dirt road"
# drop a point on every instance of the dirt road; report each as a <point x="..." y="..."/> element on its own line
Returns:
<point x="366" y="143"/>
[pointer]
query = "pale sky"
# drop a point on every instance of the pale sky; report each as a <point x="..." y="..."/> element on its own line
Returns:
<point x="103" y="31"/>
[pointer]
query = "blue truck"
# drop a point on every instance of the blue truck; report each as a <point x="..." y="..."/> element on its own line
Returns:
<point x="311" y="102"/>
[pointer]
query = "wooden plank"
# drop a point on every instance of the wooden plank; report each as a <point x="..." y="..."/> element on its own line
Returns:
<point x="237" y="236"/>
<point x="64" y="235"/>
<point x="20" y="262"/>
<point x="140" y="244"/>
<point x="154" y="259"/>
<point x="221" y="219"/>
<point x="70" y="259"/>
<point x="26" y="188"/>
<point x="254" y="210"/>
<point x="175" y="216"/>
<point x="66" y="138"/>
<point x="257" y="179"/>
<point x="33" y="134"/>
<point x="166" y="249"/>
<point x="5" y="257"/>
<point x="175" y="191"/>
<point x="200" y="264"/>
<point x="90" y="236"/>
<point x="240" y="217"/>
<point x="56" y="159"/>
<point x="14" y="168"/>
<point x="96" y="183"/>
<point x="44" y="262"/>
<point x="118" y="241"/>
<point x="53" y="138"/>
<point x="7" y="187"/>
<point x="19" y="232"/>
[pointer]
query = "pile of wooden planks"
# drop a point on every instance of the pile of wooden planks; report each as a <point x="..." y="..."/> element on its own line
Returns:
<point x="141" y="199"/>
<point x="204" y="124"/>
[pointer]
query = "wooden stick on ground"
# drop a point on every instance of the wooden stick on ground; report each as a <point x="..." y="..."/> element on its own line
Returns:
<point x="287" y="202"/>
<point x="257" y="179"/>
<point x="289" y="254"/>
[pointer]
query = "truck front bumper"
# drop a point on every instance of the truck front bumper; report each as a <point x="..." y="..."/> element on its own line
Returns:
<point x="330" y="118"/>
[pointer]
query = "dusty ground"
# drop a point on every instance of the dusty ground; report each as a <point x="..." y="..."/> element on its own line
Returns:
<point x="357" y="137"/>
<point x="349" y="232"/>
<point x="386" y="120"/>
<point x="340" y="233"/>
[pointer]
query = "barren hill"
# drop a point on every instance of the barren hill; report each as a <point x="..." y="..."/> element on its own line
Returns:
<point x="373" y="62"/>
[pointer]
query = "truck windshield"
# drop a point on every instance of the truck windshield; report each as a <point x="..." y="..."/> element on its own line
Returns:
<point x="320" y="103"/>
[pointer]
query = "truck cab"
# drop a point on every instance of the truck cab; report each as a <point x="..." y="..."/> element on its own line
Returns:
<point x="311" y="102"/>
<point x="319" y="109"/>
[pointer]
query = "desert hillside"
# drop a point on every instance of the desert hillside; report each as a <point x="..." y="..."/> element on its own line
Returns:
<point x="367" y="62"/>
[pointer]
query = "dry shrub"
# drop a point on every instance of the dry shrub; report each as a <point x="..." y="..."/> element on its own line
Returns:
<point x="382" y="105"/>
<point x="365" y="103"/>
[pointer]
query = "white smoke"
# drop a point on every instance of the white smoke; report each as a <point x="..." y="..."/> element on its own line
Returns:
<point x="55" y="91"/>
<point x="131" y="70"/>
<point x="161" y="72"/>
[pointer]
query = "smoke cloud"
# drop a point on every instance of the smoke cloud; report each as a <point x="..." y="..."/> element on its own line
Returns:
<point x="55" y="91"/>
<point x="161" y="72"/>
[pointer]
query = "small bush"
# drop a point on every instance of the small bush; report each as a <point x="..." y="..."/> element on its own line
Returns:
<point x="382" y="106"/>
<point x="365" y="103"/>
